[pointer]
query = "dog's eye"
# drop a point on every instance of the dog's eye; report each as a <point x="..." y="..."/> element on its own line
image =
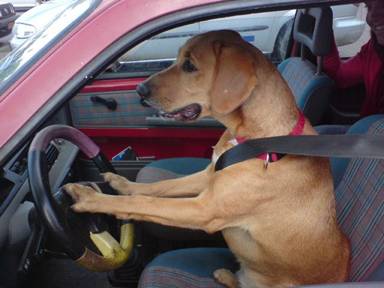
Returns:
<point x="188" y="66"/>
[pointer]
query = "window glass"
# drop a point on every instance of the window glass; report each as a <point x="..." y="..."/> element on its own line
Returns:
<point x="22" y="58"/>
<point x="268" y="31"/>
<point x="350" y="28"/>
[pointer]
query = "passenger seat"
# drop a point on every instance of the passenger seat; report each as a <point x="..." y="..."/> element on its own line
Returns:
<point x="310" y="86"/>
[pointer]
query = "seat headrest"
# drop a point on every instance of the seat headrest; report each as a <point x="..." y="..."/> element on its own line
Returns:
<point x="313" y="28"/>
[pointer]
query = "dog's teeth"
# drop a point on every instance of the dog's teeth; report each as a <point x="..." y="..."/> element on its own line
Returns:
<point x="167" y="116"/>
<point x="163" y="117"/>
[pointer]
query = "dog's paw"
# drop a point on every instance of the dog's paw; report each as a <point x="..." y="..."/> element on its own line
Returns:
<point x="117" y="182"/>
<point x="226" y="278"/>
<point x="86" y="198"/>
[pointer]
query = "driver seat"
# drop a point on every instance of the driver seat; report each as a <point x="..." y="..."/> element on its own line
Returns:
<point x="360" y="212"/>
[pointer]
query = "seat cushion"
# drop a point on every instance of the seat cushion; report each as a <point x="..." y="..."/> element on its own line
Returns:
<point x="171" y="168"/>
<point x="311" y="91"/>
<point x="339" y="165"/>
<point x="360" y="211"/>
<point x="187" y="268"/>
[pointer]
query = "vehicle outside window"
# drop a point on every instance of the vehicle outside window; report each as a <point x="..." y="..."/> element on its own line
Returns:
<point x="7" y="20"/>
<point x="37" y="19"/>
<point x="260" y="29"/>
<point x="351" y="32"/>
<point x="24" y="5"/>
<point x="158" y="52"/>
<point x="268" y="31"/>
<point x="15" y="63"/>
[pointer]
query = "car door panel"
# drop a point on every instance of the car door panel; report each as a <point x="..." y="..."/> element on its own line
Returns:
<point x="156" y="143"/>
<point x="139" y="127"/>
<point x="129" y="111"/>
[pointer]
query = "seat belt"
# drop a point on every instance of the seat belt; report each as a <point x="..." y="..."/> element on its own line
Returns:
<point x="338" y="146"/>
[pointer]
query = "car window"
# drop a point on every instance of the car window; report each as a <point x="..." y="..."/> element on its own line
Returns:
<point x="268" y="31"/>
<point x="260" y="29"/>
<point x="350" y="28"/>
<point x="19" y="60"/>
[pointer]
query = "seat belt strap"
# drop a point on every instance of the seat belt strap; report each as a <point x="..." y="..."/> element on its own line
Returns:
<point x="338" y="146"/>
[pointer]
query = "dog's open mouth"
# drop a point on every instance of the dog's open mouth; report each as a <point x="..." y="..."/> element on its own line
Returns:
<point x="188" y="113"/>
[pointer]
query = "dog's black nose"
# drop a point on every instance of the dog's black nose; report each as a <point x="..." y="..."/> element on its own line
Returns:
<point x="143" y="90"/>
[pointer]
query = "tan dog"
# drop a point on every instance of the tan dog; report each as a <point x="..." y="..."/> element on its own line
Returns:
<point x="280" y="222"/>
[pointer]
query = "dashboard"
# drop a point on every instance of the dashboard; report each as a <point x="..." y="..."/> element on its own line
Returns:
<point x="16" y="204"/>
<point x="14" y="182"/>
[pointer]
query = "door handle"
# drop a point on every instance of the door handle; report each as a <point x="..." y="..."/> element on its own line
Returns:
<point x="143" y="103"/>
<point x="110" y="103"/>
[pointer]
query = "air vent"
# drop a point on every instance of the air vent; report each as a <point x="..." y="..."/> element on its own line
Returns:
<point x="51" y="153"/>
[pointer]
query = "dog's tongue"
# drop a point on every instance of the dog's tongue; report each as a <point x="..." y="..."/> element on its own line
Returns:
<point x="190" y="112"/>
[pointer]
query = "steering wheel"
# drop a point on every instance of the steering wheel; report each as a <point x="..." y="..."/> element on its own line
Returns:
<point x="89" y="239"/>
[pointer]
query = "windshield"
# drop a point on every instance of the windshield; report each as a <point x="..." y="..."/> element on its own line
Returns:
<point x="14" y="65"/>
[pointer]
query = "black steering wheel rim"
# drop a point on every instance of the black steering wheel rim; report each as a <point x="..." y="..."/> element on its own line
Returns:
<point x="45" y="202"/>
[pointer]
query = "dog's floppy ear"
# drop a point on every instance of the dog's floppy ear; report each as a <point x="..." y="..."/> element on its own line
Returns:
<point x="234" y="80"/>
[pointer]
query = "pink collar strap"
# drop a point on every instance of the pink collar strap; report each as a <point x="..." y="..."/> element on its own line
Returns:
<point x="297" y="130"/>
<point x="299" y="127"/>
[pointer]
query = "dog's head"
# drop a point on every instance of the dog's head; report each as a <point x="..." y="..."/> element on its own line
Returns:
<point x="213" y="75"/>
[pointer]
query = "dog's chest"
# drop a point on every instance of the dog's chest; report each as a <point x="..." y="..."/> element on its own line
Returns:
<point x="241" y="243"/>
<point x="220" y="149"/>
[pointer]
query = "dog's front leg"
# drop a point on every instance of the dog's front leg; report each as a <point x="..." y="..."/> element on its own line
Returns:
<point x="192" y="213"/>
<point x="191" y="185"/>
<point x="226" y="277"/>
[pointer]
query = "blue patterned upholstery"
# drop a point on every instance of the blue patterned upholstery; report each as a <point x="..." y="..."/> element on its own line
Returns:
<point x="187" y="268"/>
<point x="360" y="212"/>
<point x="171" y="168"/>
<point x="311" y="91"/>
<point x="339" y="165"/>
